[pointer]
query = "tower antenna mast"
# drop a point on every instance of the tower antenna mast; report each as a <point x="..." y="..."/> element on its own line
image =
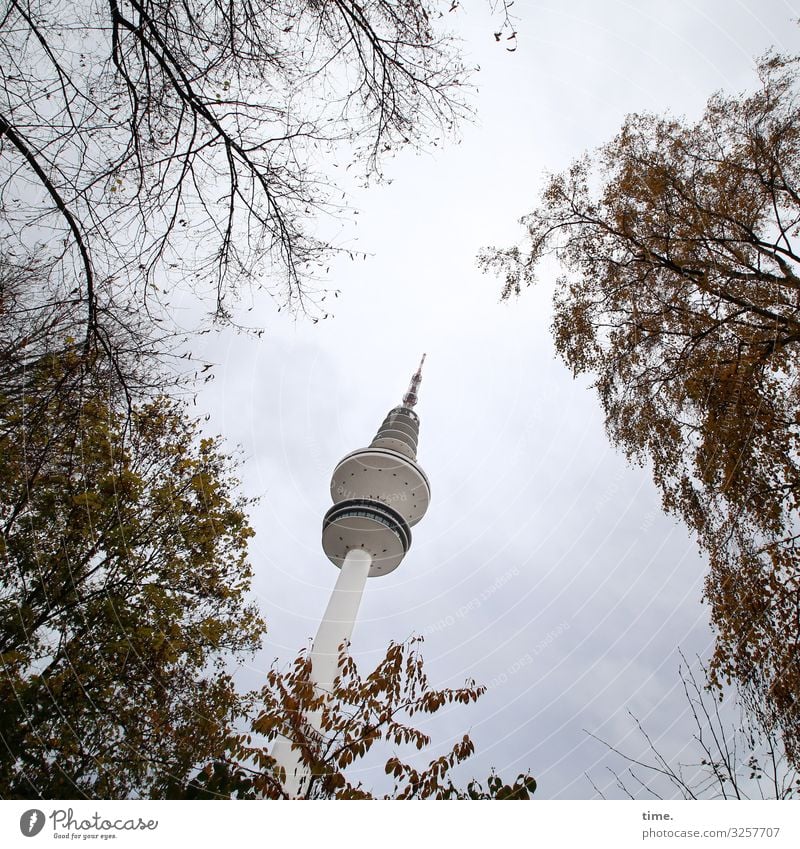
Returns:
<point x="410" y="398"/>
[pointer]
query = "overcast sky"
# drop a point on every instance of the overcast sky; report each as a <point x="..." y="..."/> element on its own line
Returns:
<point x="544" y="568"/>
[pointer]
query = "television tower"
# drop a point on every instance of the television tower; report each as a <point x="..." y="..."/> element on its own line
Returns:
<point x="378" y="493"/>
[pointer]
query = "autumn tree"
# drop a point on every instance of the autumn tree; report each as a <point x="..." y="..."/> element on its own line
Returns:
<point x="123" y="590"/>
<point x="680" y="293"/>
<point x="360" y="712"/>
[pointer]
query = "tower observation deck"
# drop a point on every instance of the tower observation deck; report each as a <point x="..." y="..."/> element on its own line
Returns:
<point x="379" y="493"/>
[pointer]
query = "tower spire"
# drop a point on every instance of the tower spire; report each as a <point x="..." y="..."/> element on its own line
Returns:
<point x="410" y="398"/>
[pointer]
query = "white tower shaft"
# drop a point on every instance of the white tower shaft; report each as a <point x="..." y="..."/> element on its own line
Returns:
<point x="336" y="628"/>
<point x="340" y="616"/>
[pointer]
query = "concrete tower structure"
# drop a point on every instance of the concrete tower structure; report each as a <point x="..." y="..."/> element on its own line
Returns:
<point x="379" y="493"/>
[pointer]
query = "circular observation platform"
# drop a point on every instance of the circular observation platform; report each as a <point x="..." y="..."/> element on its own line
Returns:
<point x="386" y="476"/>
<point x="369" y="525"/>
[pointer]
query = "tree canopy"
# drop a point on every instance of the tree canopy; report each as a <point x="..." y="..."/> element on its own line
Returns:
<point x="123" y="597"/>
<point x="680" y="293"/>
<point x="145" y="143"/>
